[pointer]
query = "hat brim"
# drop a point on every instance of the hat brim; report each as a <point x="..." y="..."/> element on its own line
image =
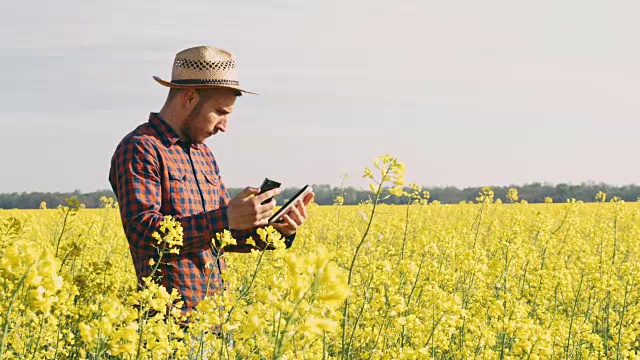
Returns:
<point x="198" y="86"/>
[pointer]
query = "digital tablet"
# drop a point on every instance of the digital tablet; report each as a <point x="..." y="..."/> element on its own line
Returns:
<point x="284" y="209"/>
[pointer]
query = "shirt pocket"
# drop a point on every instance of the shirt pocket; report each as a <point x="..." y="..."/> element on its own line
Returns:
<point x="211" y="190"/>
<point x="178" y="191"/>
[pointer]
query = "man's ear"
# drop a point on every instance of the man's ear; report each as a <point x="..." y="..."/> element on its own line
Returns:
<point x="189" y="98"/>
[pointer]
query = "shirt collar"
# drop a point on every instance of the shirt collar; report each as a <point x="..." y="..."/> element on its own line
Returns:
<point x="168" y="136"/>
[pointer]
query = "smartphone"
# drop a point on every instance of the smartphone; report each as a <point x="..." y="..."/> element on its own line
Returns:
<point x="268" y="184"/>
<point x="284" y="209"/>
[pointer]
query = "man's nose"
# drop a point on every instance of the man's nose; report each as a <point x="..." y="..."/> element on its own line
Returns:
<point x="222" y="125"/>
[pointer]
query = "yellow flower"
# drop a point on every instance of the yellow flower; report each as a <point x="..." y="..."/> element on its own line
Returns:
<point x="335" y="296"/>
<point x="512" y="279"/>
<point x="33" y="279"/>
<point x="87" y="333"/>
<point x="170" y="233"/>
<point x="250" y="241"/>
<point x="367" y="173"/>
<point x="396" y="191"/>
<point x="225" y="238"/>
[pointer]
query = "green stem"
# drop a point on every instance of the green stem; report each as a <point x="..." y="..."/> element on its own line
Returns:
<point x="246" y="291"/>
<point x="431" y="338"/>
<point x="382" y="326"/>
<point x="615" y="237"/>
<point x="276" y="351"/>
<point x="624" y="309"/>
<point x="479" y="221"/>
<point x="55" y="355"/>
<point x="406" y="229"/>
<point x="413" y="288"/>
<point x="345" y="314"/>
<point x="5" y="326"/>
<point x="35" y="349"/>
<point x="573" y="313"/>
<point x="143" y="321"/>
<point x="364" y="304"/>
<point x="64" y="226"/>
<point x="324" y="345"/>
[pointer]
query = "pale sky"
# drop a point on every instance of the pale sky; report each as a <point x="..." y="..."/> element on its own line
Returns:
<point x="465" y="93"/>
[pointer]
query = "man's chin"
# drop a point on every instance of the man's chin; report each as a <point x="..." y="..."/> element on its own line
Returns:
<point x="202" y="140"/>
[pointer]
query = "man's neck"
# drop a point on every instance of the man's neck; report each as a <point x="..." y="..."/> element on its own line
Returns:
<point x="172" y="119"/>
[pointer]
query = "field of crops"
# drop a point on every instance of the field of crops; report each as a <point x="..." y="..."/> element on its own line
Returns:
<point x="488" y="280"/>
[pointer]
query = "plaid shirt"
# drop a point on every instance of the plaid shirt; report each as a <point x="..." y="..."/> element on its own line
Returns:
<point x="153" y="174"/>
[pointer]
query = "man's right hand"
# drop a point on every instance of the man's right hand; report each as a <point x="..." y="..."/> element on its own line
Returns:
<point x="246" y="211"/>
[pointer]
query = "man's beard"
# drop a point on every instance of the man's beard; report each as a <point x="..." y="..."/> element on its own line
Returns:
<point x="189" y="122"/>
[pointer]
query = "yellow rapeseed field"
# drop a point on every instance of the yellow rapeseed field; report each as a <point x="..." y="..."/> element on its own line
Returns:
<point x="487" y="280"/>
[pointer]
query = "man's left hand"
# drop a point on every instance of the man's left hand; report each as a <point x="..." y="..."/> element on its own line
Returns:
<point x="295" y="217"/>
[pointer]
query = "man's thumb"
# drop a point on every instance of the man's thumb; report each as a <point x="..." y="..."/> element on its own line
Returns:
<point x="248" y="191"/>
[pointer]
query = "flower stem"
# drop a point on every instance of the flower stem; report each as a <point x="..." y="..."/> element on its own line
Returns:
<point x="5" y="326"/>
<point x="345" y="314"/>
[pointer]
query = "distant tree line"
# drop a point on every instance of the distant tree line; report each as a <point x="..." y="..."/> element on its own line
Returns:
<point x="33" y="200"/>
<point x="327" y="194"/>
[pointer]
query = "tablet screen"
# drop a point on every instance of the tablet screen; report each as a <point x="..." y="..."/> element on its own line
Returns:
<point x="283" y="210"/>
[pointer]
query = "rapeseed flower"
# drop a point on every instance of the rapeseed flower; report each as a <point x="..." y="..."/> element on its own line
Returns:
<point x="459" y="281"/>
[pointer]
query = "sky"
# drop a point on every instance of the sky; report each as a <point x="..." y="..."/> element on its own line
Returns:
<point x="464" y="93"/>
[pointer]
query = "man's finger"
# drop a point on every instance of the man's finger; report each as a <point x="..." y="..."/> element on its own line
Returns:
<point x="287" y="220"/>
<point x="267" y="194"/>
<point x="264" y="213"/>
<point x="295" y="214"/>
<point x="262" y="222"/>
<point x="309" y="197"/>
<point x="248" y="191"/>
<point x="303" y="209"/>
<point x="266" y="207"/>
<point x="284" y="228"/>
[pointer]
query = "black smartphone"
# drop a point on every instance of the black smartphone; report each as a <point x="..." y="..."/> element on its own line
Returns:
<point x="267" y="185"/>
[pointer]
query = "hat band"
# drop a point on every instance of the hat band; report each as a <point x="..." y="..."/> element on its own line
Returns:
<point x="206" y="82"/>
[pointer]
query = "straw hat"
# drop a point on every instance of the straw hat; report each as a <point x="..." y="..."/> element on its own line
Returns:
<point x="203" y="67"/>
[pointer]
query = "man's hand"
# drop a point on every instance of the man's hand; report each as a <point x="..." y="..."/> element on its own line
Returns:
<point x="246" y="211"/>
<point x="295" y="217"/>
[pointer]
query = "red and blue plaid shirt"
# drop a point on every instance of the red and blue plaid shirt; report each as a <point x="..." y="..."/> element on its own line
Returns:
<point x="153" y="174"/>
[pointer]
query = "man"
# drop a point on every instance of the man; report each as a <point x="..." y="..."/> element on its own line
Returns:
<point x="164" y="168"/>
